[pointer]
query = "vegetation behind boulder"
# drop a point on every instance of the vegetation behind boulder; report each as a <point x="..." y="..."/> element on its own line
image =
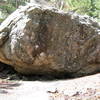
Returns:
<point x="88" y="7"/>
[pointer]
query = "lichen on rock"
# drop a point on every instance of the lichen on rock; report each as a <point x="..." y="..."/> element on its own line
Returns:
<point x="37" y="39"/>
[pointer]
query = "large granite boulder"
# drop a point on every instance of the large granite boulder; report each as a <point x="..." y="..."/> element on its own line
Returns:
<point x="38" y="39"/>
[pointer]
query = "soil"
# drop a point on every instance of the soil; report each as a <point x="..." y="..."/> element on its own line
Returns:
<point x="15" y="86"/>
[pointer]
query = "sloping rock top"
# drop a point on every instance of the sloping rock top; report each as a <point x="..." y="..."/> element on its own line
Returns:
<point x="37" y="39"/>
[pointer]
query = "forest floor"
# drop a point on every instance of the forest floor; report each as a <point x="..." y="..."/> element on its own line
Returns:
<point x="14" y="86"/>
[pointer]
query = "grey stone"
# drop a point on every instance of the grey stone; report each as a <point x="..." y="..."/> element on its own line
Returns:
<point x="37" y="39"/>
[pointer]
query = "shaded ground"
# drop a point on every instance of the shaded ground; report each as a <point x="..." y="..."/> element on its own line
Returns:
<point x="7" y="72"/>
<point x="47" y="88"/>
<point x="85" y="88"/>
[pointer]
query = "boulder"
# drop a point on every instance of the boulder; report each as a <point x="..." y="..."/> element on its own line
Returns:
<point x="37" y="39"/>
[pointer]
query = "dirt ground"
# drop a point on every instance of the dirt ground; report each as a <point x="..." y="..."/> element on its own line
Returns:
<point x="14" y="86"/>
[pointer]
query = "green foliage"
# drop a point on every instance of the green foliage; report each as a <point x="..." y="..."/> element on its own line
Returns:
<point x="6" y="10"/>
<point x="8" y="6"/>
<point x="1" y="20"/>
<point x="88" y="7"/>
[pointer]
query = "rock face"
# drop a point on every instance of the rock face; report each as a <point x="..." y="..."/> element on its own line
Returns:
<point x="37" y="39"/>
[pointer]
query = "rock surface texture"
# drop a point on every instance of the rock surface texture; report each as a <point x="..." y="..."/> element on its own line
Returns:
<point x="37" y="39"/>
